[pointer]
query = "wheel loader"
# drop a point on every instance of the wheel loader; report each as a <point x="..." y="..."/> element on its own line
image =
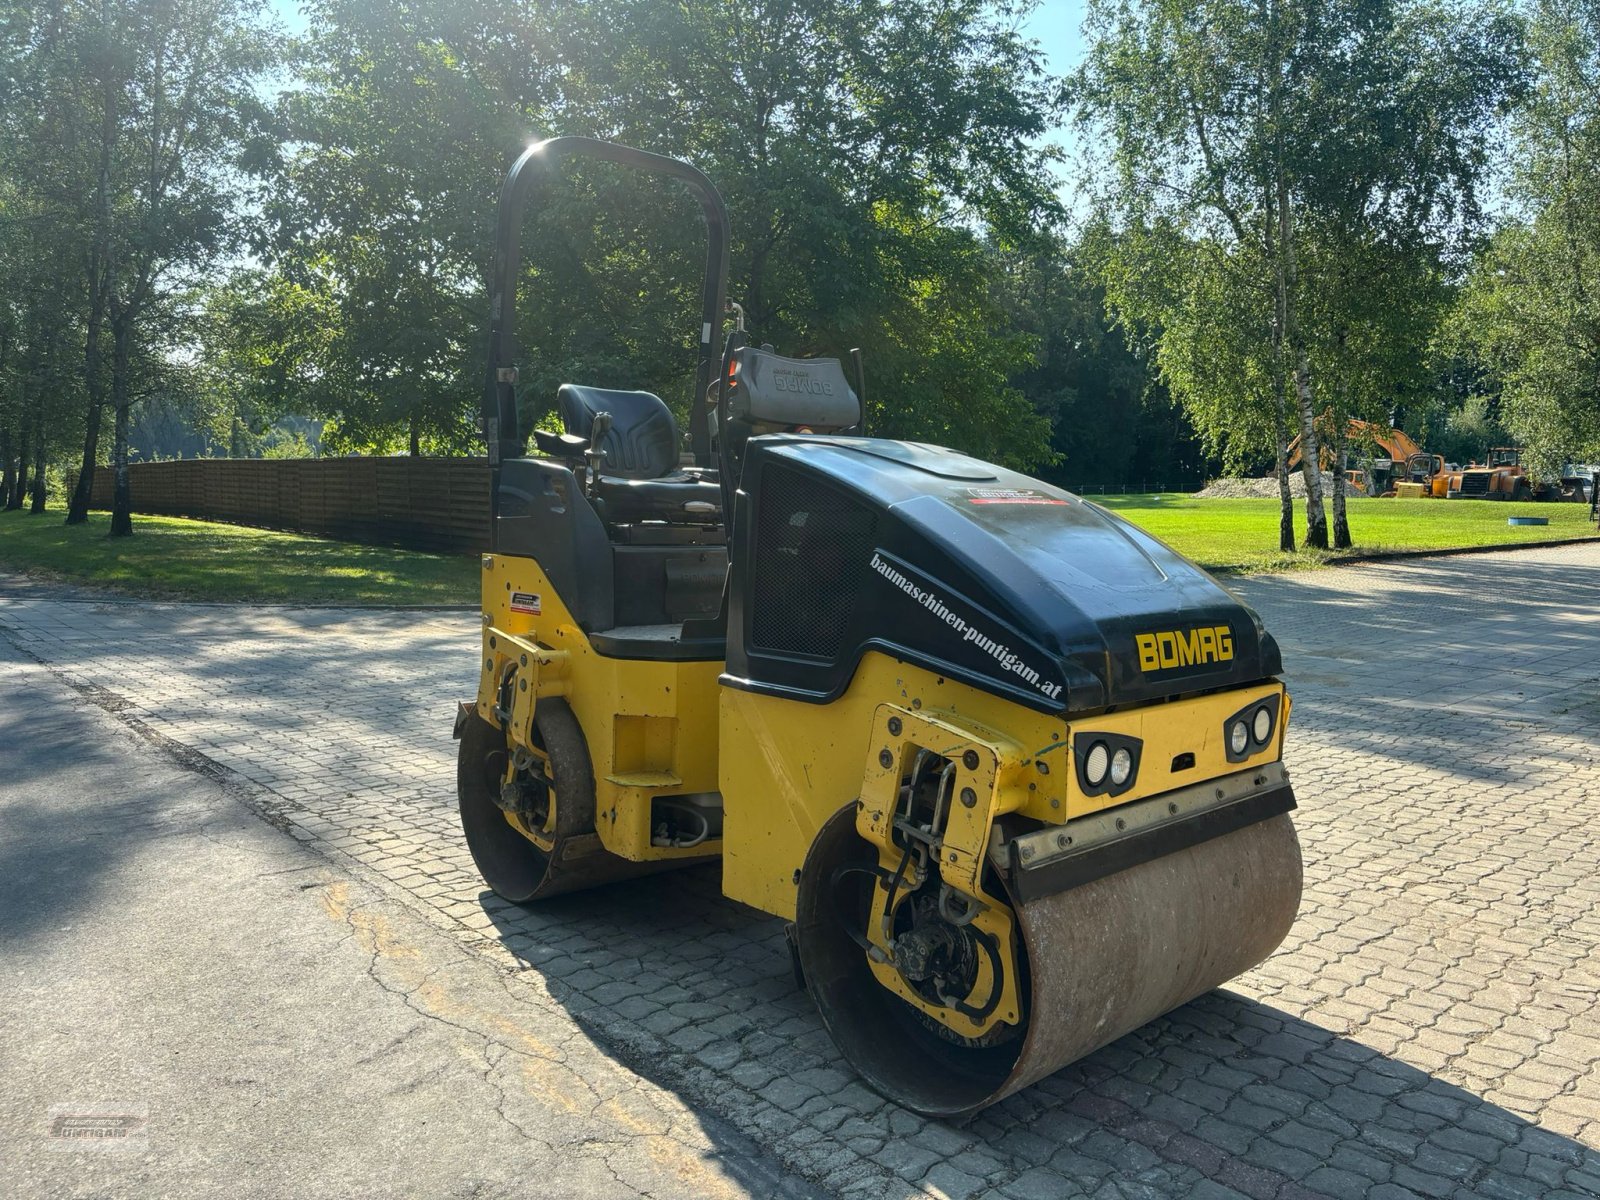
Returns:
<point x="1500" y="477"/>
<point x="1008" y="767"/>
<point x="1503" y="476"/>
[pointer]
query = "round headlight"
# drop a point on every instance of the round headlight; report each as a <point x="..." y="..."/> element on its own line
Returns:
<point x="1261" y="726"/>
<point x="1095" y="764"/>
<point x="1121" y="766"/>
<point x="1238" y="737"/>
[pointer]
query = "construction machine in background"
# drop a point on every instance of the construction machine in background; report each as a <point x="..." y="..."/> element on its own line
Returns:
<point x="1423" y="476"/>
<point x="1009" y="767"/>
<point x="1502" y="476"/>
<point x="1378" y="460"/>
<point x="1383" y="461"/>
<point x="1577" y="483"/>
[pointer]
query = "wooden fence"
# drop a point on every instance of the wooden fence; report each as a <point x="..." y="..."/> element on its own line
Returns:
<point x="435" y="504"/>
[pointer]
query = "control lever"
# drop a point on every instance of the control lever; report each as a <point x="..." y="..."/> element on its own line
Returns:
<point x="595" y="454"/>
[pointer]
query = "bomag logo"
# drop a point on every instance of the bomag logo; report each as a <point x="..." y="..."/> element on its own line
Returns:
<point x="1184" y="647"/>
<point x="799" y="381"/>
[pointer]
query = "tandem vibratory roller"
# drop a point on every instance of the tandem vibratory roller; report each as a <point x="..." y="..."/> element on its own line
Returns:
<point x="1010" y="767"/>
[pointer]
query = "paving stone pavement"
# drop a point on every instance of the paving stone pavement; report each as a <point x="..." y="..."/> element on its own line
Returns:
<point x="1430" y="1027"/>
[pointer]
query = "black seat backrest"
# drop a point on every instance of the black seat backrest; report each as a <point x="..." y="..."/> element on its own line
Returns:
<point x="643" y="442"/>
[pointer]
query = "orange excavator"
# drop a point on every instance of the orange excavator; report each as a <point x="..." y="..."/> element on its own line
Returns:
<point x="1395" y="465"/>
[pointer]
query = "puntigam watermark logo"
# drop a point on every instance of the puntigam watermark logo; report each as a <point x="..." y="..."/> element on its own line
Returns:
<point x="101" y="1126"/>
<point x="1171" y="648"/>
<point x="1007" y="658"/>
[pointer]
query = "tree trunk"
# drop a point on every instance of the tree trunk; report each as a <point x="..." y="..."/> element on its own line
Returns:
<point x="121" y="513"/>
<point x="94" y="382"/>
<point x="78" y="506"/>
<point x="416" y="441"/>
<point x="100" y="283"/>
<point x="1310" y="458"/>
<point x="19" y="489"/>
<point x="1280" y="399"/>
<point x="1341" y="523"/>
<point x="38" y="474"/>
<point x="1310" y="450"/>
<point x="1285" y="494"/>
<point x="1287" y="269"/>
<point x="1280" y="402"/>
<point x="8" y="468"/>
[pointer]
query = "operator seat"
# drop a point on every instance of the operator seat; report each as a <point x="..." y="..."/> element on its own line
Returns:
<point x="640" y="479"/>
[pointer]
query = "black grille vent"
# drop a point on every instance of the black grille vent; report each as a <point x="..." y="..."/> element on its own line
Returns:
<point x="1475" y="483"/>
<point x="812" y="545"/>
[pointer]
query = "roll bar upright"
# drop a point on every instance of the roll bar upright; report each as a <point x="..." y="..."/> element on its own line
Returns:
<point x="535" y="166"/>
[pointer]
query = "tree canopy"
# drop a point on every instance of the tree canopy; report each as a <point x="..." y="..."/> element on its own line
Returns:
<point x="240" y="243"/>
<point x="1287" y="181"/>
<point x="129" y="125"/>
<point x="1531" y="309"/>
<point x="869" y="153"/>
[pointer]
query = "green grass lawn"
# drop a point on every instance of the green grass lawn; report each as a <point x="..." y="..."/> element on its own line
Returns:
<point x="174" y="558"/>
<point x="1242" y="535"/>
<point x="197" y="560"/>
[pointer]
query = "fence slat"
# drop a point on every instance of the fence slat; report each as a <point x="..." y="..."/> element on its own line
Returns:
<point x="440" y="505"/>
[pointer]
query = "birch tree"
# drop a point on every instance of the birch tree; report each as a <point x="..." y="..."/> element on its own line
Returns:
<point x="1251" y="147"/>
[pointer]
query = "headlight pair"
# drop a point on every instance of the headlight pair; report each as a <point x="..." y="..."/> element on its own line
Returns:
<point x="1108" y="763"/>
<point x="1250" y="730"/>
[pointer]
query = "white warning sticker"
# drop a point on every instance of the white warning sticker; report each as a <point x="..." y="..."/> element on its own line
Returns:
<point x="526" y="602"/>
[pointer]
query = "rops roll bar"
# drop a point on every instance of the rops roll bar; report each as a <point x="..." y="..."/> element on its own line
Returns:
<point x="536" y="165"/>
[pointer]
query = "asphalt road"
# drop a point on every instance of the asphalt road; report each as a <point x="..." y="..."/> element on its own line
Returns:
<point x="194" y="1004"/>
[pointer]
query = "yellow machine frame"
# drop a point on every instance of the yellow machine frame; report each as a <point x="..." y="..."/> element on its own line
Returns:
<point x="659" y="719"/>
<point x="783" y="767"/>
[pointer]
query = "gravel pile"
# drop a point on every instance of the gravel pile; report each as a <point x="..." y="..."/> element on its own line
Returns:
<point x="1265" y="488"/>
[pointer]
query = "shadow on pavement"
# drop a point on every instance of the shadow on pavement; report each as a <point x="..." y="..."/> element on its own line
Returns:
<point x="52" y="860"/>
<point x="695" y="992"/>
<point x="1434" y="662"/>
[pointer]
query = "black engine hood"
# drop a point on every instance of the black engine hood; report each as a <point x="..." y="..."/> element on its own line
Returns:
<point x="991" y="576"/>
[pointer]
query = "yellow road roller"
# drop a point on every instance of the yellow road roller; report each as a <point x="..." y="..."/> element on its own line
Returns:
<point x="1009" y="767"/>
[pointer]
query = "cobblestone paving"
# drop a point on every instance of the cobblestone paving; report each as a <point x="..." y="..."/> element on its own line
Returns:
<point x="1430" y="1027"/>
